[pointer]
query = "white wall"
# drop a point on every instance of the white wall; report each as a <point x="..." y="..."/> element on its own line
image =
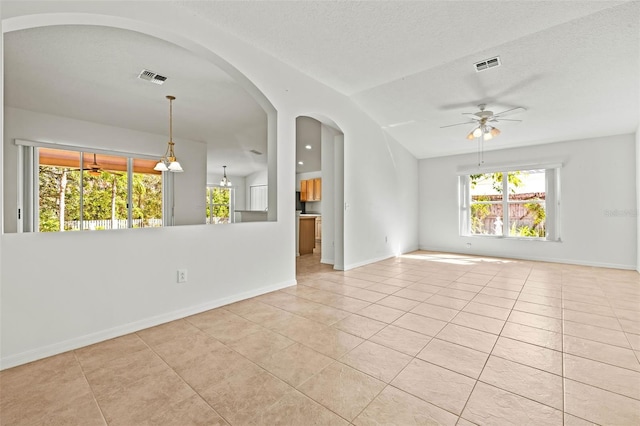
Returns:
<point x="380" y="195"/>
<point x="34" y="126"/>
<point x="597" y="199"/>
<point x="328" y="204"/>
<point x="44" y="311"/>
<point x="638" y="199"/>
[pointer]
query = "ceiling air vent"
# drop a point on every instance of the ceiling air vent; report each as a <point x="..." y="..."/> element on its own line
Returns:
<point x="255" y="151"/>
<point x="152" y="77"/>
<point x="487" y="63"/>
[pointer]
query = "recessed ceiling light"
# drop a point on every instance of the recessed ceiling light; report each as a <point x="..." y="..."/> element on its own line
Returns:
<point x="308" y="146"/>
<point x="300" y="162"/>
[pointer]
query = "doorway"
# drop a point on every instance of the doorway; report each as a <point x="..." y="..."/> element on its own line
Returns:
<point x="319" y="194"/>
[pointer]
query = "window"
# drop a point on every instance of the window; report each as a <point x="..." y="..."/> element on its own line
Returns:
<point x="514" y="203"/>
<point x="219" y="205"/>
<point x="71" y="190"/>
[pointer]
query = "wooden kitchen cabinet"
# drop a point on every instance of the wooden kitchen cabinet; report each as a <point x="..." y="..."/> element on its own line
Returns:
<point x="311" y="189"/>
<point x="304" y="190"/>
<point x="307" y="235"/>
<point x="317" y="189"/>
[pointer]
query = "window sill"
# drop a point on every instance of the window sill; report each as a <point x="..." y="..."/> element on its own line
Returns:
<point x="500" y="237"/>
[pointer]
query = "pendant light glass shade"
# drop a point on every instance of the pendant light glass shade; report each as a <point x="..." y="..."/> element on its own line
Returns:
<point x="174" y="166"/>
<point x="161" y="167"/>
<point x="168" y="162"/>
<point x="225" y="181"/>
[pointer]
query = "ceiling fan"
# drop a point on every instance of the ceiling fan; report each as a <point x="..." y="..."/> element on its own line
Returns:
<point x="94" y="169"/>
<point x="483" y="120"/>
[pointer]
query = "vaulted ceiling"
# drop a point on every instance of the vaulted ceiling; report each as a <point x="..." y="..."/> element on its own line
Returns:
<point x="574" y="66"/>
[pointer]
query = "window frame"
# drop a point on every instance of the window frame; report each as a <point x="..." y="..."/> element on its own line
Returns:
<point x="552" y="200"/>
<point x="211" y="204"/>
<point x="28" y="182"/>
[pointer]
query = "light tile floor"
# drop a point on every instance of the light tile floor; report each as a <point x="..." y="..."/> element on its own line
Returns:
<point x="426" y="338"/>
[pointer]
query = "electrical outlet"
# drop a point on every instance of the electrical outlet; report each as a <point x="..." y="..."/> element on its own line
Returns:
<point x="182" y="275"/>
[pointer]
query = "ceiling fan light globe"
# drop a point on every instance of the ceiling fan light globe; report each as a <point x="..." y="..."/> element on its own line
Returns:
<point x="477" y="132"/>
<point x="470" y="136"/>
<point x="487" y="136"/>
<point x="495" y="132"/>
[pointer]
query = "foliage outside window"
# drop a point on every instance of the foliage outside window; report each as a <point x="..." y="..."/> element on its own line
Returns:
<point x="73" y="197"/>
<point x="218" y="205"/>
<point x="506" y="204"/>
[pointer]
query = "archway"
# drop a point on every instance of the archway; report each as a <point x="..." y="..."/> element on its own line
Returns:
<point x="113" y="23"/>
<point x="320" y="188"/>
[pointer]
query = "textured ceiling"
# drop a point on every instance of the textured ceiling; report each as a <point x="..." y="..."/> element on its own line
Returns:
<point x="90" y="73"/>
<point x="572" y="64"/>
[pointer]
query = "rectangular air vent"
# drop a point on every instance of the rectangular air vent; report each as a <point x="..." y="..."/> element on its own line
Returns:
<point x="152" y="77"/>
<point x="487" y="63"/>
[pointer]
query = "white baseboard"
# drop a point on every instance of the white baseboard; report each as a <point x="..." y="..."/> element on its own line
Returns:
<point x="532" y="258"/>
<point x="100" y="336"/>
<point x="385" y="257"/>
<point x="367" y="262"/>
<point x="327" y="261"/>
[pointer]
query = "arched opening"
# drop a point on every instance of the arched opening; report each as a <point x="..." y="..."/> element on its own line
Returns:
<point x="319" y="193"/>
<point x="212" y="92"/>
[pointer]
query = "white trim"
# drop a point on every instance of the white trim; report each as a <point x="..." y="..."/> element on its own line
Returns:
<point x="81" y="148"/>
<point x="367" y="262"/>
<point x="510" y="255"/>
<point x="100" y="336"/>
<point x="489" y="168"/>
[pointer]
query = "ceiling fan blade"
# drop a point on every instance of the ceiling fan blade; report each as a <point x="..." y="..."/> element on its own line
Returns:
<point x="459" y="124"/>
<point x="506" y="119"/>
<point x="509" y="112"/>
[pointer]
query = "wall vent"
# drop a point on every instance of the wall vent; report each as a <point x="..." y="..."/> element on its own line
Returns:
<point x="152" y="77"/>
<point x="487" y="63"/>
<point x="255" y="151"/>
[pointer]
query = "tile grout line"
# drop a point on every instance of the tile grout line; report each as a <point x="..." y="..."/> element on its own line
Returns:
<point x="93" y="394"/>
<point x="487" y="360"/>
<point x="180" y="376"/>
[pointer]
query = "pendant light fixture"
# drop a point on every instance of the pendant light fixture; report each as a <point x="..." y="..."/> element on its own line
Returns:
<point x="225" y="181"/>
<point x="169" y="162"/>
